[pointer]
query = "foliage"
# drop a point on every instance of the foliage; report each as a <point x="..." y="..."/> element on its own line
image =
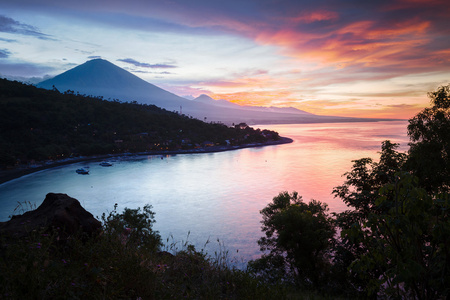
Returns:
<point x="40" y="266"/>
<point x="360" y="190"/>
<point x="298" y="237"/>
<point x="407" y="241"/>
<point x="114" y="266"/>
<point x="429" y="154"/>
<point x="133" y="227"/>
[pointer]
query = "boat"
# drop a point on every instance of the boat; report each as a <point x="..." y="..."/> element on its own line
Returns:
<point x="106" y="164"/>
<point x="82" y="171"/>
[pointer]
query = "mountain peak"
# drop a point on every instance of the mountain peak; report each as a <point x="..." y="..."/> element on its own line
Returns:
<point x="100" y="63"/>
<point x="93" y="74"/>
<point x="98" y="60"/>
<point x="204" y="98"/>
<point x="99" y="77"/>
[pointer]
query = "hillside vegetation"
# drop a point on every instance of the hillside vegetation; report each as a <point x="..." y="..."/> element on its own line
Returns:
<point x="39" y="124"/>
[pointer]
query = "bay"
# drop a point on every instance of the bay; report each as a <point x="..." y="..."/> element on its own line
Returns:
<point x="210" y="196"/>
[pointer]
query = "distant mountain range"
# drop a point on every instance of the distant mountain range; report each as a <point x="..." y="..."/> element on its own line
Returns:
<point x="224" y="103"/>
<point x="99" y="77"/>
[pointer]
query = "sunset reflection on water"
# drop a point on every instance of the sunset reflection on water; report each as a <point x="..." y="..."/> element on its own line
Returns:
<point x="321" y="153"/>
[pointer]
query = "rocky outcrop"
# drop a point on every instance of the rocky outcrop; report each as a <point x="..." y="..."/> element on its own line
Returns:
<point x="58" y="212"/>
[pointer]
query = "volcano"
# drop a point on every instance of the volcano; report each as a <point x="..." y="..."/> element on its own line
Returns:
<point x="99" y="77"/>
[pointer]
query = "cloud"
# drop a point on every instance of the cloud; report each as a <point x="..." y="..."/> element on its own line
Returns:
<point x="149" y="72"/>
<point x="183" y="90"/>
<point x="12" y="26"/>
<point x="250" y="72"/>
<point x="8" y="40"/>
<point x="147" y="65"/>
<point x="4" y="53"/>
<point x="223" y="83"/>
<point x="403" y="106"/>
<point x="382" y="40"/>
<point x="255" y="98"/>
<point x="24" y="69"/>
<point x="94" y="57"/>
<point x="315" y="16"/>
<point x="27" y="80"/>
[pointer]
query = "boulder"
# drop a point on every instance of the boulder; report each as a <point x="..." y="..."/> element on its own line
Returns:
<point x="58" y="211"/>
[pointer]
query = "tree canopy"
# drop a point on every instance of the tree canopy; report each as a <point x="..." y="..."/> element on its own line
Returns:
<point x="430" y="142"/>
<point x="298" y="239"/>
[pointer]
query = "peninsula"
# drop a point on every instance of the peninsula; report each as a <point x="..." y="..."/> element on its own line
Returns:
<point x="45" y="128"/>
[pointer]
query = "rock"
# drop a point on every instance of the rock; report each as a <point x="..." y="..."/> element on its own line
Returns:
<point x="165" y="254"/>
<point x="58" y="211"/>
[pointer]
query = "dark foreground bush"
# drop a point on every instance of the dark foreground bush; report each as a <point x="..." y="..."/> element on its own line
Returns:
<point x="124" y="262"/>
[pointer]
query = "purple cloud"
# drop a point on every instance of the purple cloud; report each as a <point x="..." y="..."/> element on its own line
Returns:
<point x="24" y="69"/>
<point x="12" y="26"/>
<point x="4" y="53"/>
<point x="146" y="65"/>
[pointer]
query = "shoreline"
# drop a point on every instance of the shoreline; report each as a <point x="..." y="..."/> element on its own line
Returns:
<point x="8" y="175"/>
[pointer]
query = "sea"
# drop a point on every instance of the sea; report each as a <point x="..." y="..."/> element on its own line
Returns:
<point x="213" y="200"/>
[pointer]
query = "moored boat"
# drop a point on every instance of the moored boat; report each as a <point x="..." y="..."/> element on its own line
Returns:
<point x="82" y="171"/>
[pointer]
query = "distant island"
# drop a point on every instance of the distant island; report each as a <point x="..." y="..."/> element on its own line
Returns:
<point x="42" y="128"/>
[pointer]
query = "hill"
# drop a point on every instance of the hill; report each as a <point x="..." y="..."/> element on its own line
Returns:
<point x="39" y="124"/>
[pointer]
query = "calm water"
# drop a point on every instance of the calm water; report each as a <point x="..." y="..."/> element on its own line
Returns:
<point x="216" y="195"/>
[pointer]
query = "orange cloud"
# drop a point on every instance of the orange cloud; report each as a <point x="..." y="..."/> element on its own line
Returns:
<point x="361" y="109"/>
<point x="360" y="42"/>
<point x="254" y="83"/>
<point x="223" y="84"/>
<point x="253" y="98"/>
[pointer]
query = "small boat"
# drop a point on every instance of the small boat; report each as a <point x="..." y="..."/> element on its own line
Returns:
<point x="82" y="171"/>
<point x="106" y="164"/>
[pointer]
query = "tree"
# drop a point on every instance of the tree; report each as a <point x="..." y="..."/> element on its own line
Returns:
<point x="393" y="241"/>
<point x="429" y="153"/>
<point x="407" y="241"/>
<point x="360" y="190"/>
<point x="133" y="227"/>
<point x="298" y="237"/>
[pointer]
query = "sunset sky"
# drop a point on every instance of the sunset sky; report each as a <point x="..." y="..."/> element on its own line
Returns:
<point x="349" y="58"/>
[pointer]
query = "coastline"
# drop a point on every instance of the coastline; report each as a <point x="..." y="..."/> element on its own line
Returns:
<point x="7" y="175"/>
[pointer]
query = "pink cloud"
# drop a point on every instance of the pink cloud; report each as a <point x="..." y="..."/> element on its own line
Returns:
<point x="315" y="16"/>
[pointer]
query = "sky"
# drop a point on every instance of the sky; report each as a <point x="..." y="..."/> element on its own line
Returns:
<point x="330" y="57"/>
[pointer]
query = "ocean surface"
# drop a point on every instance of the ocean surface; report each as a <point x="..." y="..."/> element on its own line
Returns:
<point x="203" y="198"/>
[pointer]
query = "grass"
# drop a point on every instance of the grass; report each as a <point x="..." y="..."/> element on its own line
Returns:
<point x="42" y="266"/>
